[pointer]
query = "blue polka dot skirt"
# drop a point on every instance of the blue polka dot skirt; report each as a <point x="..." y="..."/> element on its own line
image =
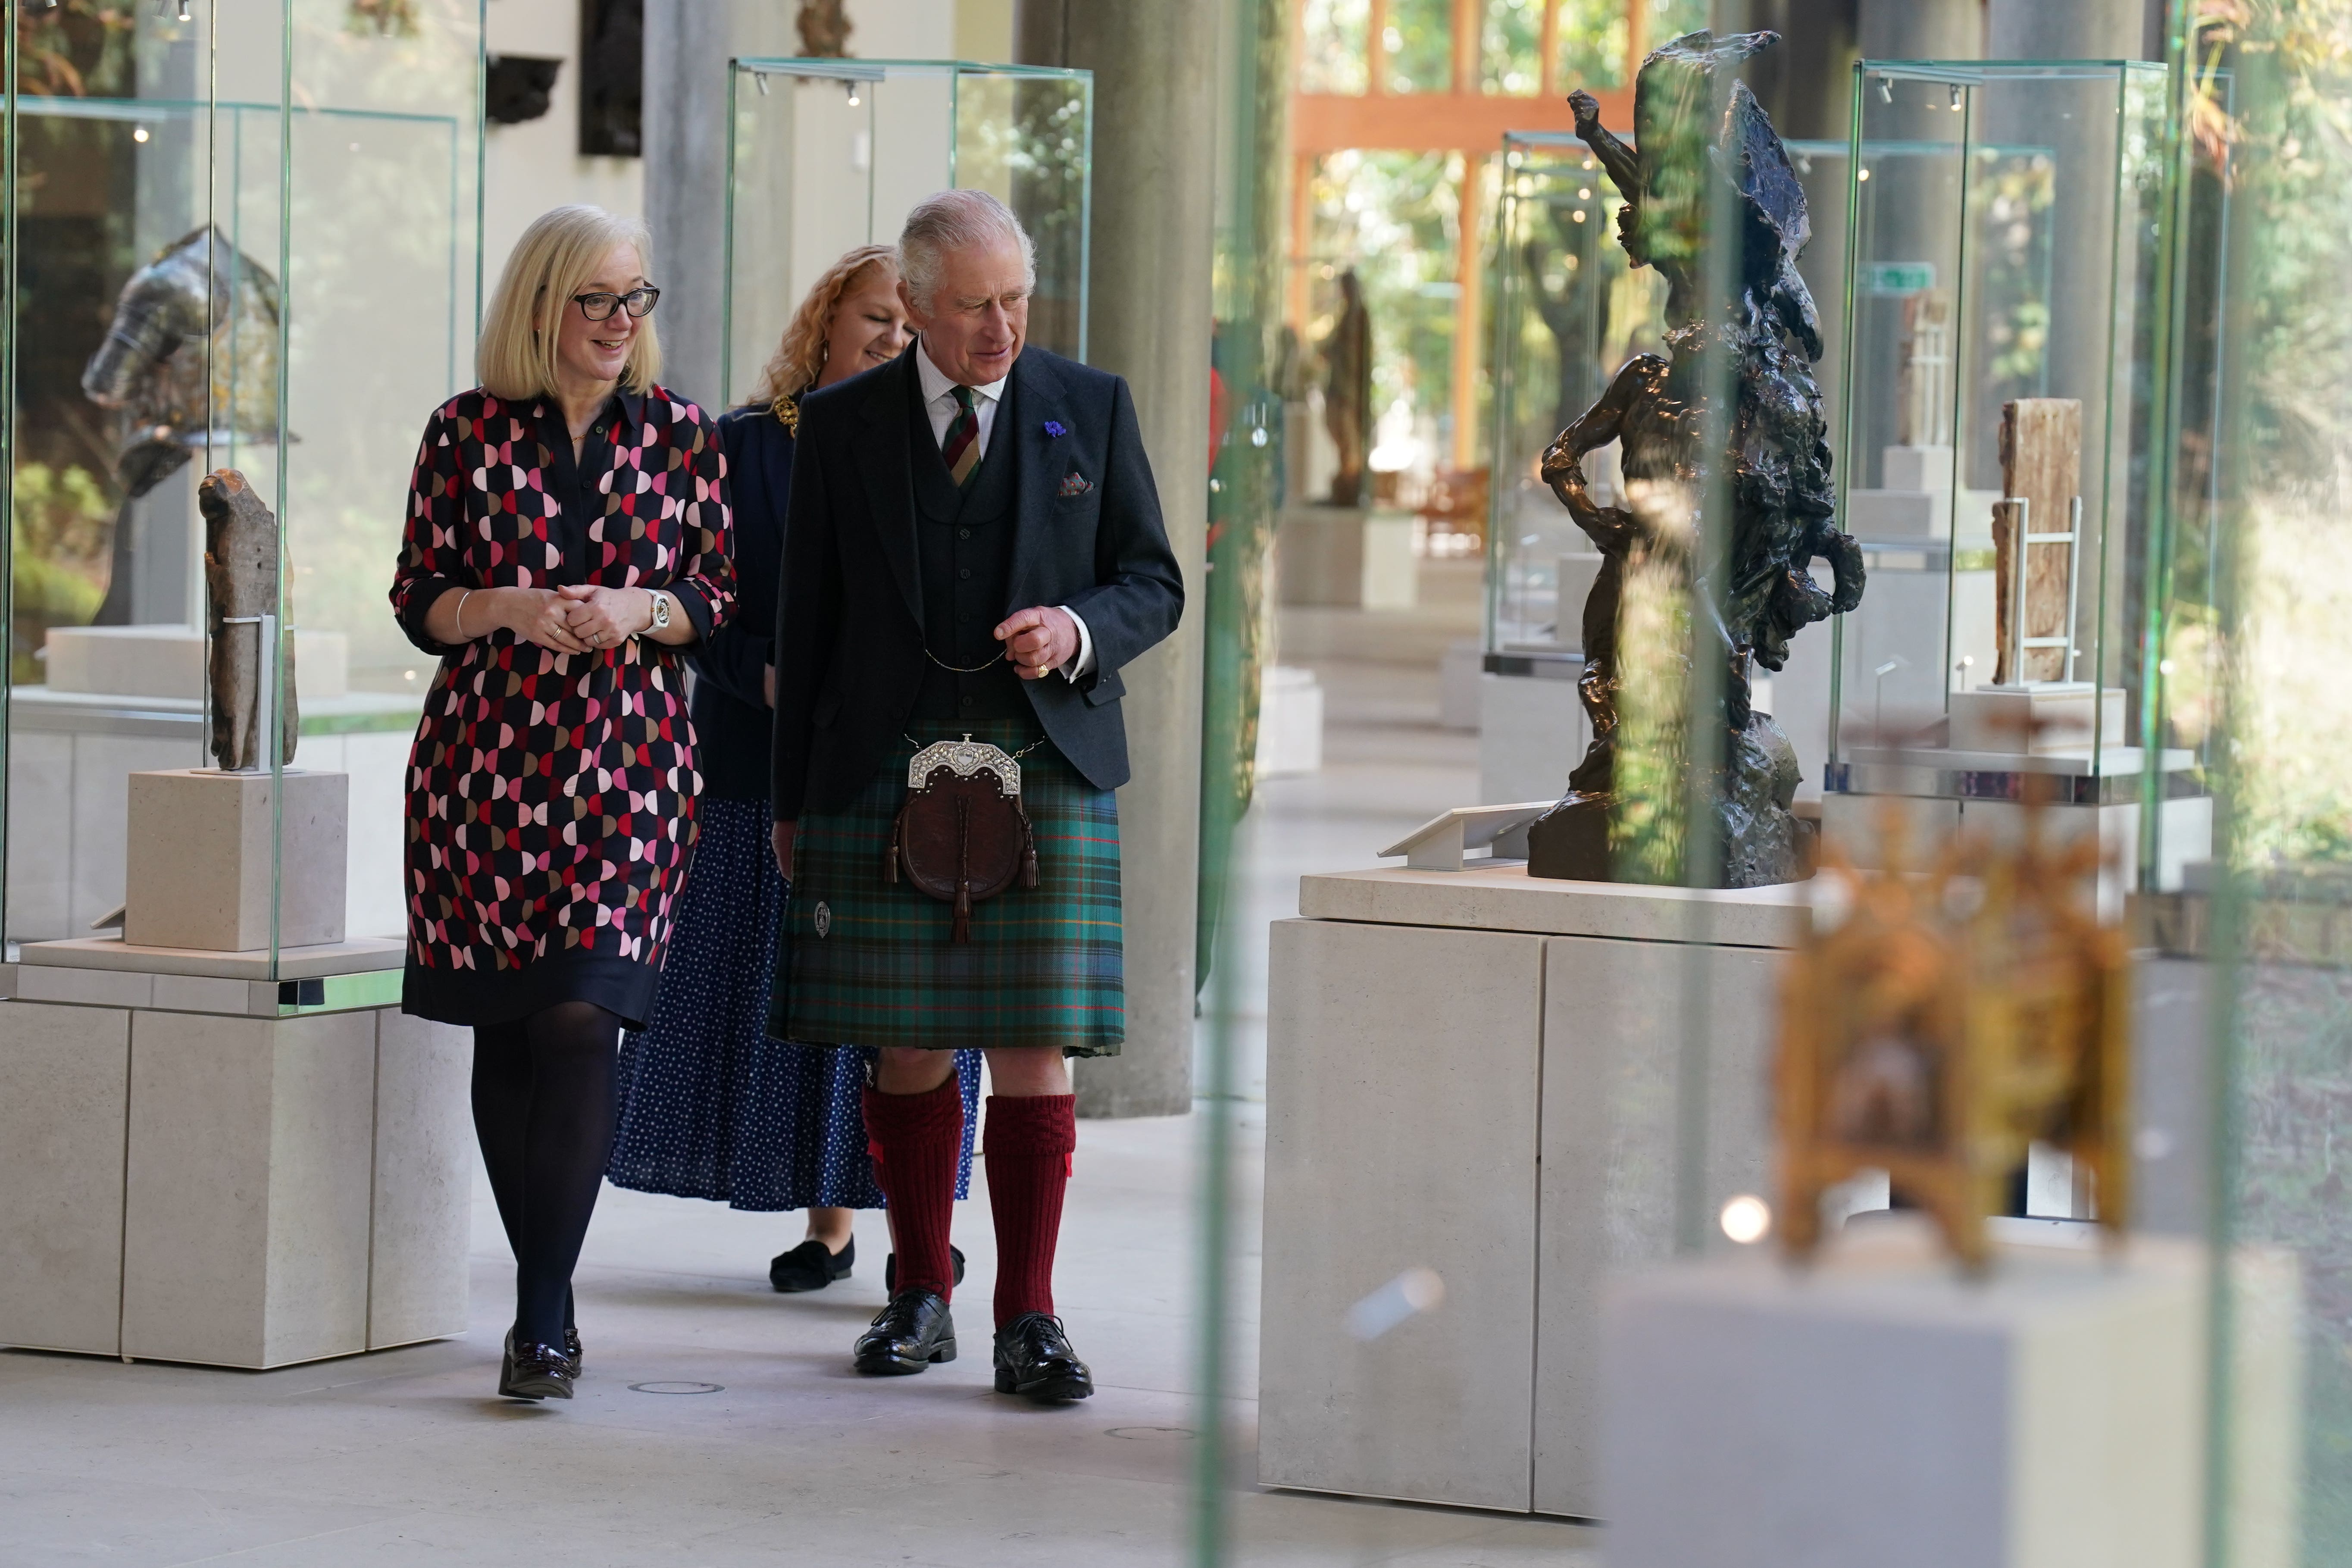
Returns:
<point x="710" y="1107"/>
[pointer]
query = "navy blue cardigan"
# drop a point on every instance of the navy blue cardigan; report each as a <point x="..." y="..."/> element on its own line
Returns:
<point x="731" y="718"/>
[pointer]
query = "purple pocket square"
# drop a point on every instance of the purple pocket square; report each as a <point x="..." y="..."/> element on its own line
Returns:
<point x="1075" y="484"/>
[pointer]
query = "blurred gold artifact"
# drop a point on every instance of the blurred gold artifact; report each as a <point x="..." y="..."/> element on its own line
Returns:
<point x="1952" y="1017"/>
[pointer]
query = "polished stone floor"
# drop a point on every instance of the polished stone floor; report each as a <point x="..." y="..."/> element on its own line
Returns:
<point x="718" y="1422"/>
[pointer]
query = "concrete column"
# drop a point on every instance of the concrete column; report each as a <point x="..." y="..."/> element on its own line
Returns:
<point x="2076" y="30"/>
<point x="1920" y="29"/>
<point x="1149" y="318"/>
<point x="1805" y="83"/>
<point x="687" y="48"/>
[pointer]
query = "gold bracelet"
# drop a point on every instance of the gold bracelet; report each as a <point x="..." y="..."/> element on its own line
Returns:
<point x="463" y="595"/>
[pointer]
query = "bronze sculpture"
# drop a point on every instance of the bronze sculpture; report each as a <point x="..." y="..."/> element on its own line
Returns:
<point x="825" y="28"/>
<point x="241" y="561"/>
<point x="1773" y="460"/>
<point x="1347" y="390"/>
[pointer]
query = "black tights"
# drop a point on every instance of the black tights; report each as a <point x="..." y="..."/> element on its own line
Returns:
<point x="544" y="1102"/>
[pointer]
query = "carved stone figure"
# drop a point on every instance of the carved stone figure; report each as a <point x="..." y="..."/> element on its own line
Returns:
<point x="825" y="28"/>
<point x="1774" y="457"/>
<point x="1347" y="390"/>
<point x="241" y="577"/>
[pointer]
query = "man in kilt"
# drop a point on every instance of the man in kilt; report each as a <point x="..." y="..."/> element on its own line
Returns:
<point x="973" y="549"/>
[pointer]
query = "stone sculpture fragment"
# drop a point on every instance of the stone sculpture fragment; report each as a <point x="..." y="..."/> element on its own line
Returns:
<point x="241" y="556"/>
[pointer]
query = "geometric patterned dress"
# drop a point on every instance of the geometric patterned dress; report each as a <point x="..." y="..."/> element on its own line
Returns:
<point x="551" y="800"/>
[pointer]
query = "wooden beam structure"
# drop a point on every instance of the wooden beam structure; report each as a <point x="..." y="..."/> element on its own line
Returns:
<point x="1466" y="121"/>
<point x="1470" y="122"/>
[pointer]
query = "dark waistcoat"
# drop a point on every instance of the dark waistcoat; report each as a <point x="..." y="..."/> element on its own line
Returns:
<point x="964" y="552"/>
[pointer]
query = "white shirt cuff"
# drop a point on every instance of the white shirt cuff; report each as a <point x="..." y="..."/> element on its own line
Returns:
<point x="1081" y="667"/>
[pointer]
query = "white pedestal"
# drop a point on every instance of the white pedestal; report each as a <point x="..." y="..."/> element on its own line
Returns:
<point x="1457" y="684"/>
<point x="1924" y="788"/>
<point x="70" y="758"/>
<point x="217" y="1168"/>
<point x="168" y="660"/>
<point x="1532" y="733"/>
<point x="2046" y="719"/>
<point x="210" y="857"/>
<point x="1450" y="1056"/>
<point x="1289" y="723"/>
<point x="1391" y="579"/>
<point x="1340" y="555"/>
<point x="1879" y="1410"/>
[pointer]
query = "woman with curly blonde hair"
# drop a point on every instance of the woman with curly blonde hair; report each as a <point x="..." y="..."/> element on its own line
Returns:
<point x="711" y="1107"/>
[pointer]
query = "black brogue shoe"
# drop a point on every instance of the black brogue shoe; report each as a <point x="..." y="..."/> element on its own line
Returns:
<point x="1034" y="1360"/>
<point x="909" y="1335"/>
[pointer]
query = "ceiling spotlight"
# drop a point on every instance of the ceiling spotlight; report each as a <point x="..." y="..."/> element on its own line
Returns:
<point x="1886" y="90"/>
<point x="762" y="79"/>
<point x="1956" y="98"/>
<point x="851" y="88"/>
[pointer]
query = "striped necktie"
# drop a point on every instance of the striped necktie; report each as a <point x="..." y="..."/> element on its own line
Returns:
<point x="961" y="449"/>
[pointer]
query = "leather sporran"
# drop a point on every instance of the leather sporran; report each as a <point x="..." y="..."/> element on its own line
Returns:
<point x="962" y="835"/>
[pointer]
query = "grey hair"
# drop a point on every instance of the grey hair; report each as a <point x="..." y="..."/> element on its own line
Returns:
<point x="956" y="220"/>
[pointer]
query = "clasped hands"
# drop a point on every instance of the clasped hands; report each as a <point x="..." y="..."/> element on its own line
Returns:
<point x="1038" y="639"/>
<point x="583" y="618"/>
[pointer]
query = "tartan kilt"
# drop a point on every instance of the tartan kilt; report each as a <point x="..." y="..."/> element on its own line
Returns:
<point x="1045" y="965"/>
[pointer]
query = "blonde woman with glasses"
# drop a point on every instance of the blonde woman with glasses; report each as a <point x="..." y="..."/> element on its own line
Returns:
<point x="711" y="1107"/>
<point x="567" y="541"/>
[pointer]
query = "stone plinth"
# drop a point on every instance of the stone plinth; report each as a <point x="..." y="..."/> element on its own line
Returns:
<point x="2047" y="720"/>
<point x="1879" y="1409"/>
<point x="229" y="1168"/>
<point x="168" y="660"/>
<point x="212" y="856"/>
<point x="1479" y="1073"/>
<point x="1347" y="556"/>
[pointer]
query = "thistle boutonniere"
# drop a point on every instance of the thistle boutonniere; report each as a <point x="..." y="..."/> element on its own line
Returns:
<point x="1056" y="429"/>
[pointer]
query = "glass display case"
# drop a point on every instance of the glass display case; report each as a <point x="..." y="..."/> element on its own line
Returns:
<point x="2010" y="380"/>
<point x="242" y="238"/>
<point x="824" y="155"/>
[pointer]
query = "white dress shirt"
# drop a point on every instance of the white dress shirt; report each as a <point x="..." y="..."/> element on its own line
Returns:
<point x="940" y="403"/>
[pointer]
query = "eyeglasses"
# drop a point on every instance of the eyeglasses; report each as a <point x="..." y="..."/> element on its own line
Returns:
<point x="600" y="306"/>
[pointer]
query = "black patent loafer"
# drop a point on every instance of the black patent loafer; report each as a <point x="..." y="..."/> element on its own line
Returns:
<point x="1034" y="1360"/>
<point x="811" y="1266"/>
<point x="890" y="1268"/>
<point x="909" y="1335"/>
<point x="535" y="1371"/>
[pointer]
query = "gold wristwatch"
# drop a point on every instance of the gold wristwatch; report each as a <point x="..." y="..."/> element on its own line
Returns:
<point x="661" y="610"/>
